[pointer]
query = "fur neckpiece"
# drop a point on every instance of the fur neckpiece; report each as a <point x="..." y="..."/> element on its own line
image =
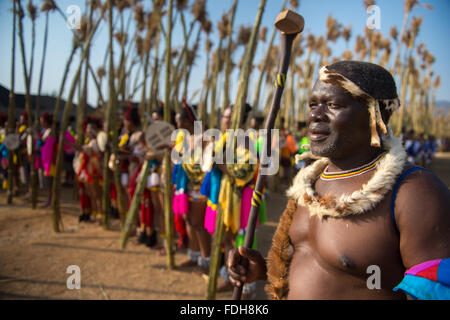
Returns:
<point x="360" y="201"/>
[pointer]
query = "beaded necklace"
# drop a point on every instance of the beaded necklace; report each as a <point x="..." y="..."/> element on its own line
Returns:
<point x="327" y="176"/>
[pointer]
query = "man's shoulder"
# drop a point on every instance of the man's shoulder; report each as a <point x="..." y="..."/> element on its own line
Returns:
<point x="421" y="195"/>
<point x="420" y="181"/>
<point x="422" y="211"/>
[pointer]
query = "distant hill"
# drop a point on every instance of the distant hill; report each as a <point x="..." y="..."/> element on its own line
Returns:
<point x="47" y="103"/>
<point x="442" y="104"/>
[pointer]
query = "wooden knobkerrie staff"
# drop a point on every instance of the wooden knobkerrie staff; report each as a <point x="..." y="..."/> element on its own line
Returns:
<point x="290" y="24"/>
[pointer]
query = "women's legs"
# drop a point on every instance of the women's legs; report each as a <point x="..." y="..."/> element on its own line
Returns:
<point x="197" y="220"/>
<point x="85" y="202"/>
<point x="193" y="241"/>
<point x="157" y="199"/>
<point x="194" y="246"/>
<point x="48" y="182"/>
<point x="91" y="194"/>
<point x="123" y="205"/>
<point x="147" y="233"/>
<point x="157" y="203"/>
<point x="98" y="197"/>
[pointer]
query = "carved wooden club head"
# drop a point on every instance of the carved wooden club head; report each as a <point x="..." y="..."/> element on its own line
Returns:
<point x="289" y="22"/>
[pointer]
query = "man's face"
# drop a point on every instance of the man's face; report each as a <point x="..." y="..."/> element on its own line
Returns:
<point x="338" y="124"/>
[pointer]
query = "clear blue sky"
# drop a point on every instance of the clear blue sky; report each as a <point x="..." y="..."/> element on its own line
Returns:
<point x="434" y="33"/>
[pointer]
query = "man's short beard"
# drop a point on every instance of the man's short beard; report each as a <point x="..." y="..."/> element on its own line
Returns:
<point x="326" y="148"/>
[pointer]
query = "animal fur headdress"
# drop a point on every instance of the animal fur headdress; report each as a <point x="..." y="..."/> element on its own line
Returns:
<point x="379" y="78"/>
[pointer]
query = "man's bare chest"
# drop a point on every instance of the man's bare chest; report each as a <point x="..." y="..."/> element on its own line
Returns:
<point x="349" y="244"/>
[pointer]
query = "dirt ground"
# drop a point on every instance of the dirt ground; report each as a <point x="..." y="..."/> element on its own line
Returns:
<point x="34" y="259"/>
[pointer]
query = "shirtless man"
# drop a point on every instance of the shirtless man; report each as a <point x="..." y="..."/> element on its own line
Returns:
<point x="324" y="244"/>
